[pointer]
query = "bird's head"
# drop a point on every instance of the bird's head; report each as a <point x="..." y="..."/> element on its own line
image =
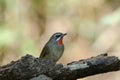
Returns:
<point x="57" y="38"/>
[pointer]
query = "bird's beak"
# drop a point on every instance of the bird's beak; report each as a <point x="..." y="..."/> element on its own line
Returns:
<point x="64" y="35"/>
<point x="61" y="37"/>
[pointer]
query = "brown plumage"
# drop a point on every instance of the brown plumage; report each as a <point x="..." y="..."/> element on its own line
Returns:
<point x="54" y="48"/>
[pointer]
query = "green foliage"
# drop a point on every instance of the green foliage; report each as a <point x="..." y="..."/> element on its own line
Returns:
<point x="7" y="37"/>
<point x="28" y="47"/>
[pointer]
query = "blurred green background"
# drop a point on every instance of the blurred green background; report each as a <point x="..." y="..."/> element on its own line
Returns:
<point x="93" y="27"/>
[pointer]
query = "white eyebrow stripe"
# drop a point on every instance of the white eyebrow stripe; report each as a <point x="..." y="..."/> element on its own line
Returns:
<point x="56" y="35"/>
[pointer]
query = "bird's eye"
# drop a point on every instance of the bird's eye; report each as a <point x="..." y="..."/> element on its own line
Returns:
<point x="57" y="36"/>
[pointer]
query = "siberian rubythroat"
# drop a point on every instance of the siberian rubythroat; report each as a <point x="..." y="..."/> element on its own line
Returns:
<point x="54" y="48"/>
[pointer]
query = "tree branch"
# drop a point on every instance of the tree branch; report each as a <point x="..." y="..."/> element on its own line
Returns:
<point x="31" y="68"/>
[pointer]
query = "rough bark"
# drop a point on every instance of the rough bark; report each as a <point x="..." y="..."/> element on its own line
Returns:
<point x="31" y="68"/>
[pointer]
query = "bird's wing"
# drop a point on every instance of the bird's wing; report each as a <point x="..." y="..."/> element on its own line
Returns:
<point x="44" y="52"/>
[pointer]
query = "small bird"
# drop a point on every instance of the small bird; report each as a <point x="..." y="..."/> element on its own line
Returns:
<point x="54" y="48"/>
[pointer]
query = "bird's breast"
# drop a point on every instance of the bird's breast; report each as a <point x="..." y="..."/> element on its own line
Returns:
<point x="56" y="51"/>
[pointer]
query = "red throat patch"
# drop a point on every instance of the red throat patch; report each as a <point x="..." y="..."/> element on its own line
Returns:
<point x="60" y="42"/>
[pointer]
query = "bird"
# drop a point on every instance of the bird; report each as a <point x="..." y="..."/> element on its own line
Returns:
<point x="54" y="48"/>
